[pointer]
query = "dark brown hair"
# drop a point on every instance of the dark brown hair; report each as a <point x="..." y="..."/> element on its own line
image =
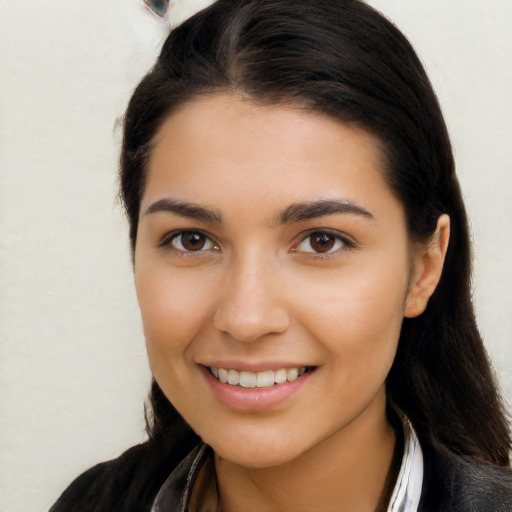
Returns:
<point x="342" y="58"/>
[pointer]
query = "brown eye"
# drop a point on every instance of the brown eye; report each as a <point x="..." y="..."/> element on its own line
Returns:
<point x="321" y="242"/>
<point x="191" y="241"/>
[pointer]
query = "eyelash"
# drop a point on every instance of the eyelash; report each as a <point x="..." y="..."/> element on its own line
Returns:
<point x="168" y="240"/>
<point x="340" y="243"/>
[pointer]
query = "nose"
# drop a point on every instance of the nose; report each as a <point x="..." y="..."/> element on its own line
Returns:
<point x="252" y="304"/>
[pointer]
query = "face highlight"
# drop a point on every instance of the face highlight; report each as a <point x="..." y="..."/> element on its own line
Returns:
<point x="272" y="268"/>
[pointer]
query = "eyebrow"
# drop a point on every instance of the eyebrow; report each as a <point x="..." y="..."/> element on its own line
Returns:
<point x="185" y="209"/>
<point x="312" y="209"/>
<point x="296" y="212"/>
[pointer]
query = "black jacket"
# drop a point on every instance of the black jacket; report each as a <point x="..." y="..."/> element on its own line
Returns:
<point x="130" y="483"/>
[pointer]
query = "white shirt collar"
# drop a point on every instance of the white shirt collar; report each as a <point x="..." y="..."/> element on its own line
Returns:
<point x="407" y="492"/>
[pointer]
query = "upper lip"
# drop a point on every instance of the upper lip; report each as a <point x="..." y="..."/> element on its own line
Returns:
<point x="253" y="366"/>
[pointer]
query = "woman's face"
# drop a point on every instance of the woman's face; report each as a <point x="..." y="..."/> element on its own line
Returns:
<point x="270" y="252"/>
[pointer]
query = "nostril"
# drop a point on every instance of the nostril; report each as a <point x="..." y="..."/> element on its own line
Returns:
<point x="252" y="321"/>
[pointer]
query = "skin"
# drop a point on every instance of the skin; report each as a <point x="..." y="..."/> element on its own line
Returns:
<point x="260" y="291"/>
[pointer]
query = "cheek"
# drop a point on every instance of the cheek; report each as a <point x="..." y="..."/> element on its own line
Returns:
<point x="174" y="308"/>
<point x="360" y="337"/>
<point x="174" y="312"/>
<point x="359" y="314"/>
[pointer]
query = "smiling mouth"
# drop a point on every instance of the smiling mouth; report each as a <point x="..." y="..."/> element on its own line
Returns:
<point x="263" y="379"/>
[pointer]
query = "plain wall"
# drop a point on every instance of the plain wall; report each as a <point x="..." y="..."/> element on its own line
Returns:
<point x="73" y="370"/>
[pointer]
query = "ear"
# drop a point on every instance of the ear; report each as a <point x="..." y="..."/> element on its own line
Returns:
<point x="428" y="261"/>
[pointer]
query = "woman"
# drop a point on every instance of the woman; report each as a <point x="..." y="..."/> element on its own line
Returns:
<point x="302" y="264"/>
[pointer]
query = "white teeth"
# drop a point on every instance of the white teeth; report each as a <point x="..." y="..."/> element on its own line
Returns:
<point x="248" y="379"/>
<point x="264" y="379"/>
<point x="223" y="375"/>
<point x="292" y="374"/>
<point x="280" y="376"/>
<point x="233" y="377"/>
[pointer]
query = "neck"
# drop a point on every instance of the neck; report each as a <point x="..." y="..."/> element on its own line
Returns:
<point x="349" y="471"/>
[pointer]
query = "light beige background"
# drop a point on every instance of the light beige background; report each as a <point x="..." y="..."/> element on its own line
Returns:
<point x="73" y="371"/>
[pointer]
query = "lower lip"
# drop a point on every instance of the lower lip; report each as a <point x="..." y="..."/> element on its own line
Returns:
<point x="255" y="399"/>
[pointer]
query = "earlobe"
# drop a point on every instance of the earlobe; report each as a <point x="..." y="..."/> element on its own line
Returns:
<point x="428" y="261"/>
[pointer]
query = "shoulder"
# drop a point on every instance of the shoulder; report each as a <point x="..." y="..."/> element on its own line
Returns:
<point x="456" y="484"/>
<point x="127" y="483"/>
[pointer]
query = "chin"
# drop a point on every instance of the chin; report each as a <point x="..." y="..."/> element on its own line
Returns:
<point x="261" y="449"/>
<point x="257" y="457"/>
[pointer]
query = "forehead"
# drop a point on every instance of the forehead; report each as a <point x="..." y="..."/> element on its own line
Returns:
<point x="209" y="117"/>
<point x="224" y="144"/>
